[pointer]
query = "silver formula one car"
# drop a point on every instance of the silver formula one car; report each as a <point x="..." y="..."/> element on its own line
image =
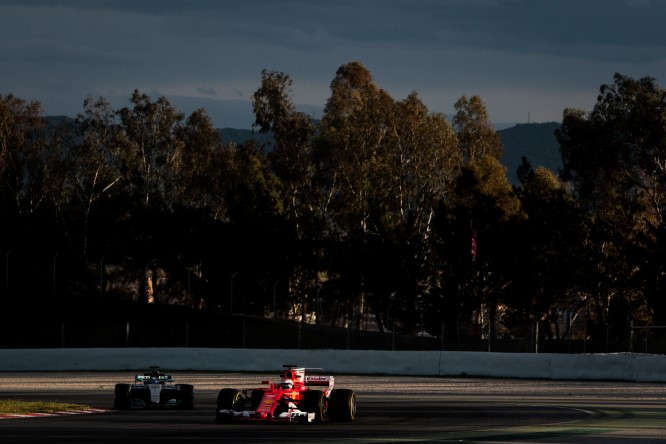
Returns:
<point x="153" y="389"/>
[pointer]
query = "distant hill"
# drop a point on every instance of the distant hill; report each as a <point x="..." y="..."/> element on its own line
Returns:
<point x="534" y="141"/>
<point x="239" y="136"/>
<point x="57" y="120"/>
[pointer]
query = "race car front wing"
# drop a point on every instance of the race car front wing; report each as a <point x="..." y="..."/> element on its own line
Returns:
<point x="292" y="415"/>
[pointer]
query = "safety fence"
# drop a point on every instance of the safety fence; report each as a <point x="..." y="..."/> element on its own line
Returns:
<point x="170" y="326"/>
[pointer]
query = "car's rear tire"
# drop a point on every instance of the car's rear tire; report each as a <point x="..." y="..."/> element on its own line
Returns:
<point x="121" y="400"/>
<point x="342" y="405"/>
<point x="186" y="396"/>
<point x="315" y="402"/>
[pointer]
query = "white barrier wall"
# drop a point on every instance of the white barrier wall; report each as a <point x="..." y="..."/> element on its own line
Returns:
<point x="620" y="367"/>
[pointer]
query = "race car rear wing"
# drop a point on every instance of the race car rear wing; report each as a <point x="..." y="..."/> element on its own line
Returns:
<point x="297" y="374"/>
<point x="160" y="378"/>
<point x="320" y="381"/>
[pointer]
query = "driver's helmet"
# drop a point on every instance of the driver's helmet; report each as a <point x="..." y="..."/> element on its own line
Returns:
<point x="287" y="384"/>
<point x="154" y="374"/>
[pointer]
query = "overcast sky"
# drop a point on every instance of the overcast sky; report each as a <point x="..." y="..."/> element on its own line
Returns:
<point x="527" y="59"/>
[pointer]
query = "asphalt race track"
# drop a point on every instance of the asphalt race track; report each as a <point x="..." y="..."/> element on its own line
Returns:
<point x="390" y="409"/>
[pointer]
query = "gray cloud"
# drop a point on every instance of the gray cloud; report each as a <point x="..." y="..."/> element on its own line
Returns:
<point x="207" y="91"/>
<point x="520" y="56"/>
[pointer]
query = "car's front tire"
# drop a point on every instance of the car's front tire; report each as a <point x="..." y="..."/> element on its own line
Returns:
<point x="228" y="399"/>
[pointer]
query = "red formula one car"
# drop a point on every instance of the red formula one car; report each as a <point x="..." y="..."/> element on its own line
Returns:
<point x="296" y="398"/>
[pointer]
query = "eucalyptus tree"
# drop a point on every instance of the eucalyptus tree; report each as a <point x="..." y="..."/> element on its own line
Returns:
<point x="23" y="149"/>
<point x="149" y="151"/>
<point x="82" y="173"/>
<point x="547" y="242"/>
<point x="254" y="224"/>
<point x="476" y="135"/>
<point x="195" y="228"/>
<point x="150" y="148"/>
<point x="292" y="163"/>
<point x="88" y="165"/>
<point x="352" y="149"/>
<point x="385" y="166"/>
<point x="481" y="148"/>
<point x="613" y="156"/>
<point x="486" y="203"/>
<point x="202" y="167"/>
<point x="424" y="163"/>
<point x="354" y="167"/>
<point x="30" y="236"/>
<point x="291" y="155"/>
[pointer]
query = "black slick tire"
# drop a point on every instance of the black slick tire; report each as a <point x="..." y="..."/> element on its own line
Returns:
<point x="228" y="399"/>
<point x="315" y="402"/>
<point x="342" y="405"/>
<point x="186" y="396"/>
<point x="121" y="400"/>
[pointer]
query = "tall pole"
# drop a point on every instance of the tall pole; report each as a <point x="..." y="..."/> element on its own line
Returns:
<point x="101" y="277"/>
<point x="317" y="311"/>
<point x="7" y="269"/>
<point x="231" y="294"/>
<point x="54" y="273"/>
<point x="423" y="326"/>
<point x="274" y="296"/>
<point x="389" y="327"/>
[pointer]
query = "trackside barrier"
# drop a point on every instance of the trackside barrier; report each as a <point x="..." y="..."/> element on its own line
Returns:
<point x="618" y="367"/>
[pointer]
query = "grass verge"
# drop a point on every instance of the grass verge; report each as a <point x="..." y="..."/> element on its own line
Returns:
<point x="18" y="407"/>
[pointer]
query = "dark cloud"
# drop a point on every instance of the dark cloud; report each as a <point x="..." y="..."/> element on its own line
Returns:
<point x="207" y="91"/>
<point x="520" y="56"/>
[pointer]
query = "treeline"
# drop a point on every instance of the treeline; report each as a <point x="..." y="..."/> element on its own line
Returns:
<point x="381" y="213"/>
